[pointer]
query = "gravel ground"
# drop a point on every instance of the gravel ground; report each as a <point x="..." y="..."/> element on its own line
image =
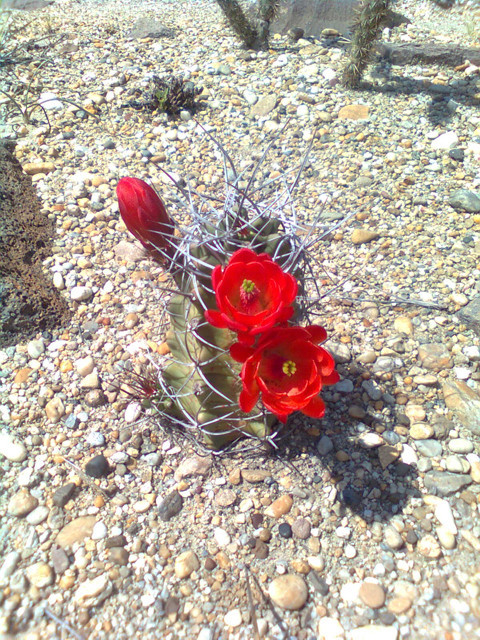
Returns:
<point x="361" y="526"/>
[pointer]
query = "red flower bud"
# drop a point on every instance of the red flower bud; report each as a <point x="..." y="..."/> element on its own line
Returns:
<point x="144" y="214"/>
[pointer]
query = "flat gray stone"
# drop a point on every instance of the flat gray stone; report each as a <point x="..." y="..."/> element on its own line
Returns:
<point x="465" y="200"/>
<point x="147" y="28"/>
<point x="429" y="448"/>
<point x="470" y="315"/>
<point x="446" y="483"/>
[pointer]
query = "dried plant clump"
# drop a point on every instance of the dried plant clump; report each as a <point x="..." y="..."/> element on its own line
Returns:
<point x="169" y="95"/>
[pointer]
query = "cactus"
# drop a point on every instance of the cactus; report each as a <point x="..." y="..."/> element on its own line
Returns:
<point x="253" y="34"/>
<point x="202" y="382"/>
<point x="198" y="389"/>
<point x="367" y="29"/>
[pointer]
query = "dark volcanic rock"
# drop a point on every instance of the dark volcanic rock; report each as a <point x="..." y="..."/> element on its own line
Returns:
<point x="28" y="301"/>
<point x="440" y="53"/>
<point x="97" y="467"/>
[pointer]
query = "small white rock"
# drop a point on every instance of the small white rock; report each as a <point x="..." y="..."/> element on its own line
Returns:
<point x="222" y="538"/>
<point x="132" y="412"/>
<point x="11" y="448"/>
<point x="84" y="366"/>
<point x="81" y="294"/>
<point x="99" y="531"/>
<point x="233" y="618"/>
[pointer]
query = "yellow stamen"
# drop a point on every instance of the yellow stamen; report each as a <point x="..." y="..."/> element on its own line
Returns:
<point x="248" y="286"/>
<point x="289" y="367"/>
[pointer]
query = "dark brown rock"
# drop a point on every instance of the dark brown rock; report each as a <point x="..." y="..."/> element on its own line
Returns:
<point x="449" y="55"/>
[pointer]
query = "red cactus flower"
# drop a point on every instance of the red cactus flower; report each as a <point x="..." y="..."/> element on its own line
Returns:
<point x="252" y="293"/>
<point x="289" y="369"/>
<point x="144" y="214"/>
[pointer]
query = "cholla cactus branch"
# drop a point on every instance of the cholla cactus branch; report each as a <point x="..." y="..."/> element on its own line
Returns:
<point x="370" y="19"/>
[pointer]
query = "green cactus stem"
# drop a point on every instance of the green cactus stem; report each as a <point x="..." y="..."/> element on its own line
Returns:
<point x="370" y="19"/>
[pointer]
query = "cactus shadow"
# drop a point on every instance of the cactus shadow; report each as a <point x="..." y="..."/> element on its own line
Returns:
<point x="373" y="483"/>
<point x="437" y="111"/>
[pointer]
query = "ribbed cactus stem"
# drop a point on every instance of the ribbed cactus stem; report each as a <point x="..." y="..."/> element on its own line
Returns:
<point x="367" y="29"/>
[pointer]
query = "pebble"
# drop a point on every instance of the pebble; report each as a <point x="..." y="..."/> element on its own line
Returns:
<point x="233" y="618"/>
<point x="185" y="564"/>
<point x="93" y="592"/>
<point x="132" y="412"/>
<point x="372" y="389"/>
<point x="11" y="448"/>
<point x="446" y="483"/>
<point x="301" y="528"/>
<point x="429" y="448"/>
<point x="374" y="632"/>
<point x="97" y="467"/>
<point x="38" y="515"/>
<point x="460" y="445"/>
<point x="362" y="236"/>
<point x="370" y="440"/>
<point x="84" y="366"/>
<point x="76" y="531"/>
<point x="403" y="324"/>
<point x="456" y="464"/>
<point x="324" y="445"/>
<point x="280" y="506"/>
<point x="393" y="538"/>
<point x="446" y="538"/>
<point x="81" y="294"/>
<point x="11" y="559"/>
<point x="170" y="506"/>
<point x="429" y="547"/>
<point x="255" y="475"/>
<point x="222" y="537"/>
<point x="55" y="410"/>
<point x="399" y="605"/>
<point x="445" y="140"/>
<point x="465" y="200"/>
<point x="285" y="530"/>
<point x="421" y="431"/>
<point x="354" y="112"/>
<point x="40" y="575"/>
<point x="21" y="503"/>
<point x="372" y="594"/>
<point x="99" y="531"/>
<point x="63" y="494"/>
<point x="227" y="497"/>
<point x="434" y="356"/>
<point x="288" y="592"/>
<point x="194" y="466"/>
<point x="330" y="629"/>
<point x="35" y="348"/>
<point x="59" y="560"/>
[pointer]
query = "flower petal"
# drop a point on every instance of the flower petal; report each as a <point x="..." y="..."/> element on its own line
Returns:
<point x="315" y="408"/>
<point x="240" y="352"/>
<point x="216" y="318"/>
